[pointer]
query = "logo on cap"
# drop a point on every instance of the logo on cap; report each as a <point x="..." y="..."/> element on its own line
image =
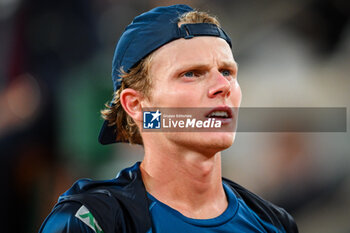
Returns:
<point x="151" y="120"/>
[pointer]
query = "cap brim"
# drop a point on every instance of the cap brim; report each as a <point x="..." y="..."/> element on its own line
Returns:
<point x="108" y="134"/>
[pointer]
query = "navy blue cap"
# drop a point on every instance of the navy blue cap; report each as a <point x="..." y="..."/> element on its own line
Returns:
<point x="146" y="33"/>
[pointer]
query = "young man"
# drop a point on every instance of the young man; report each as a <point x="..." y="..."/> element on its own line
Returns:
<point x="177" y="58"/>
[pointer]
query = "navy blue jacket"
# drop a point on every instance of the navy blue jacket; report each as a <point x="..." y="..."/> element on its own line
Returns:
<point x="121" y="205"/>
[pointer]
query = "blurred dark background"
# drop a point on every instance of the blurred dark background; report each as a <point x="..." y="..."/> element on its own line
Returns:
<point x="55" y="62"/>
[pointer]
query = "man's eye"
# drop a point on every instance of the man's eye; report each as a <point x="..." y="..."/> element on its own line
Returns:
<point x="189" y="74"/>
<point x="225" y="72"/>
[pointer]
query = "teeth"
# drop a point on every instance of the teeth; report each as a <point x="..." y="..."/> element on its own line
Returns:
<point x="218" y="114"/>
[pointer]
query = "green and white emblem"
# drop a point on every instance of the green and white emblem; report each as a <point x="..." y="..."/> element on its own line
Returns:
<point x="86" y="217"/>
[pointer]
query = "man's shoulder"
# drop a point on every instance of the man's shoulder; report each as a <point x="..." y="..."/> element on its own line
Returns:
<point x="114" y="203"/>
<point x="97" y="194"/>
<point x="70" y="217"/>
<point x="266" y="210"/>
<point x="88" y="186"/>
<point x="83" y="207"/>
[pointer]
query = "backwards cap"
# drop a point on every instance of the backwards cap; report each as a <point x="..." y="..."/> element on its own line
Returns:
<point x="146" y="33"/>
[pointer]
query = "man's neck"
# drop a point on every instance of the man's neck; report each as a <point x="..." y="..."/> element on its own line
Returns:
<point x="188" y="182"/>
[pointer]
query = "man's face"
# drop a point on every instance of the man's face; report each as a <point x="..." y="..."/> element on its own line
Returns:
<point x="194" y="73"/>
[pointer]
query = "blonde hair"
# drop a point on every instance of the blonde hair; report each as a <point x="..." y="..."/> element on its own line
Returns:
<point x="138" y="78"/>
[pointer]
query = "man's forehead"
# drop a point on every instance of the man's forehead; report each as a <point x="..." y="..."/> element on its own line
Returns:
<point x="195" y="51"/>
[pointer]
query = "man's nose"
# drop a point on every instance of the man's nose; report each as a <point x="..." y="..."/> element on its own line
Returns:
<point x="221" y="86"/>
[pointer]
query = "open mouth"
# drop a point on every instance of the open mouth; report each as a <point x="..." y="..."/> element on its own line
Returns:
<point x="220" y="113"/>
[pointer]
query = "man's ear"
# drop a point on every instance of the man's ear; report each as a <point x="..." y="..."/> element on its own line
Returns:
<point x="131" y="102"/>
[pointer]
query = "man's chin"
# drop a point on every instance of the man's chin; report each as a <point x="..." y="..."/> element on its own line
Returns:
<point x="218" y="141"/>
<point x="223" y="144"/>
<point x="203" y="142"/>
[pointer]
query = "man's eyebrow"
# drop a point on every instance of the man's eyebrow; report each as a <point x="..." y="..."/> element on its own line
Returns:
<point x="199" y="66"/>
<point x="230" y="64"/>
